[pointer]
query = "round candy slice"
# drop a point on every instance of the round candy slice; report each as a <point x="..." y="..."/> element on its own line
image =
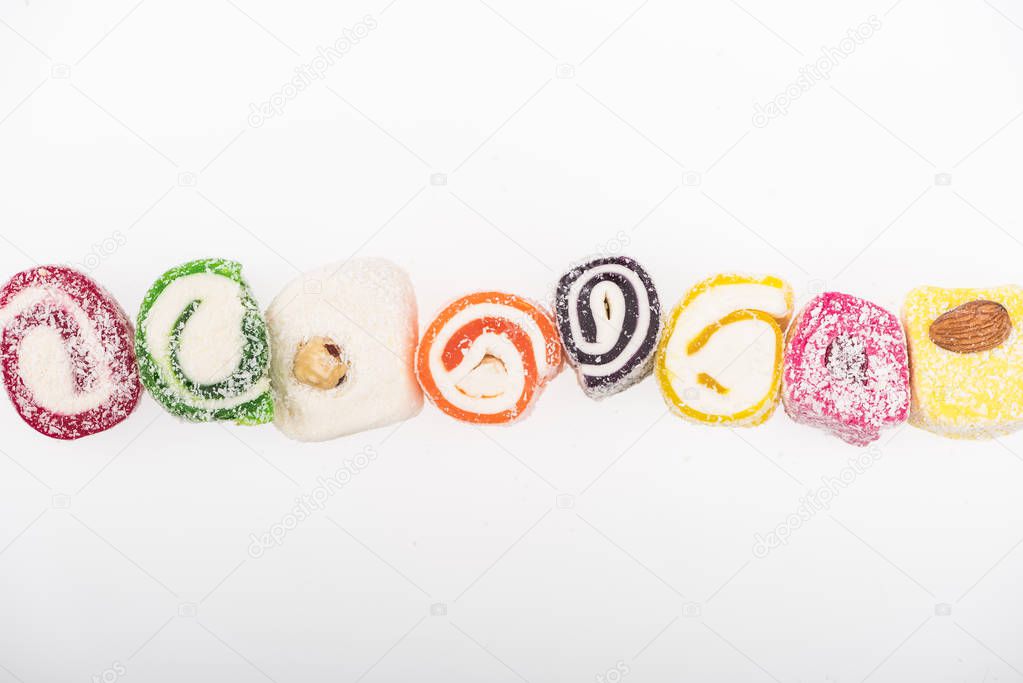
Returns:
<point x="487" y="356"/>
<point x="343" y="339"/>
<point x="719" y="361"/>
<point x="846" y="368"/>
<point x="203" y="347"/>
<point x="66" y="352"/>
<point x="609" y="317"/>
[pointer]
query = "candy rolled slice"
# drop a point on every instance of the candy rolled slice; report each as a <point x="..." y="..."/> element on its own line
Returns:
<point x="846" y="368"/>
<point x="344" y="340"/>
<point x="719" y="361"/>
<point x="202" y="345"/>
<point x="965" y="360"/>
<point x="487" y="356"/>
<point x="66" y="353"/>
<point x="609" y="316"/>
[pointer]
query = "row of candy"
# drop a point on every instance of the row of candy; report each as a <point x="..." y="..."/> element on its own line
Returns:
<point x="338" y="351"/>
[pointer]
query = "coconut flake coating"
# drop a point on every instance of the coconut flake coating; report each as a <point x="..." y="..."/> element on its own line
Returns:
<point x="367" y="308"/>
<point x="202" y="345"/>
<point x="66" y="353"/>
<point x="609" y="317"/>
<point x="846" y="368"/>
<point x="964" y="395"/>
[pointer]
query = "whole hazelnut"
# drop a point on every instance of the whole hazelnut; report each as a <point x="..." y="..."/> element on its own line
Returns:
<point x="319" y="364"/>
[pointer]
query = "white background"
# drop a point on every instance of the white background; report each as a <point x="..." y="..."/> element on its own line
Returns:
<point x="125" y="555"/>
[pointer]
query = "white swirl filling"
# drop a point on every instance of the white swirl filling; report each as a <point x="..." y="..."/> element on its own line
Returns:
<point x="734" y="370"/>
<point x="211" y="342"/>
<point x="491" y="376"/>
<point x="44" y="364"/>
<point x="607" y="302"/>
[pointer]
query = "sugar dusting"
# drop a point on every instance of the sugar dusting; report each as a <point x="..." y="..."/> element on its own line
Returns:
<point x="609" y="319"/>
<point x="241" y="390"/>
<point x="846" y="368"/>
<point x="95" y="384"/>
<point x="964" y="395"/>
<point x="367" y="308"/>
<point x="846" y="359"/>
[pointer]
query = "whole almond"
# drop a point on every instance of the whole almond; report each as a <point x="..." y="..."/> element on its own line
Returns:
<point x="971" y="328"/>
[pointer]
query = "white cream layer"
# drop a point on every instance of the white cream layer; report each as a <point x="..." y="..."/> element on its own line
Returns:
<point x="609" y="329"/>
<point x="488" y="344"/>
<point x="212" y="341"/>
<point x="739" y="356"/>
<point x="43" y="361"/>
<point x="368" y="308"/>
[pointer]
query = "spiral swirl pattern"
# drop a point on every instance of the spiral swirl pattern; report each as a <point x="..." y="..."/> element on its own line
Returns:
<point x="203" y="346"/>
<point x="66" y="353"/>
<point x="487" y="356"/>
<point x="609" y="316"/>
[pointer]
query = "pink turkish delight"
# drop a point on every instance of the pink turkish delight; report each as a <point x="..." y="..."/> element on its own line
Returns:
<point x="846" y="368"/>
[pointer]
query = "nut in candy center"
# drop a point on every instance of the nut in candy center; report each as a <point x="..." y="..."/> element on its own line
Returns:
<point x="319" y="364"/>
<point x="846" y="358"/>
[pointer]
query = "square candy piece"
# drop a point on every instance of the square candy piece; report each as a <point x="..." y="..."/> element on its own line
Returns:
<point x="966" y="358"/>
<point x="846" y="368"/>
